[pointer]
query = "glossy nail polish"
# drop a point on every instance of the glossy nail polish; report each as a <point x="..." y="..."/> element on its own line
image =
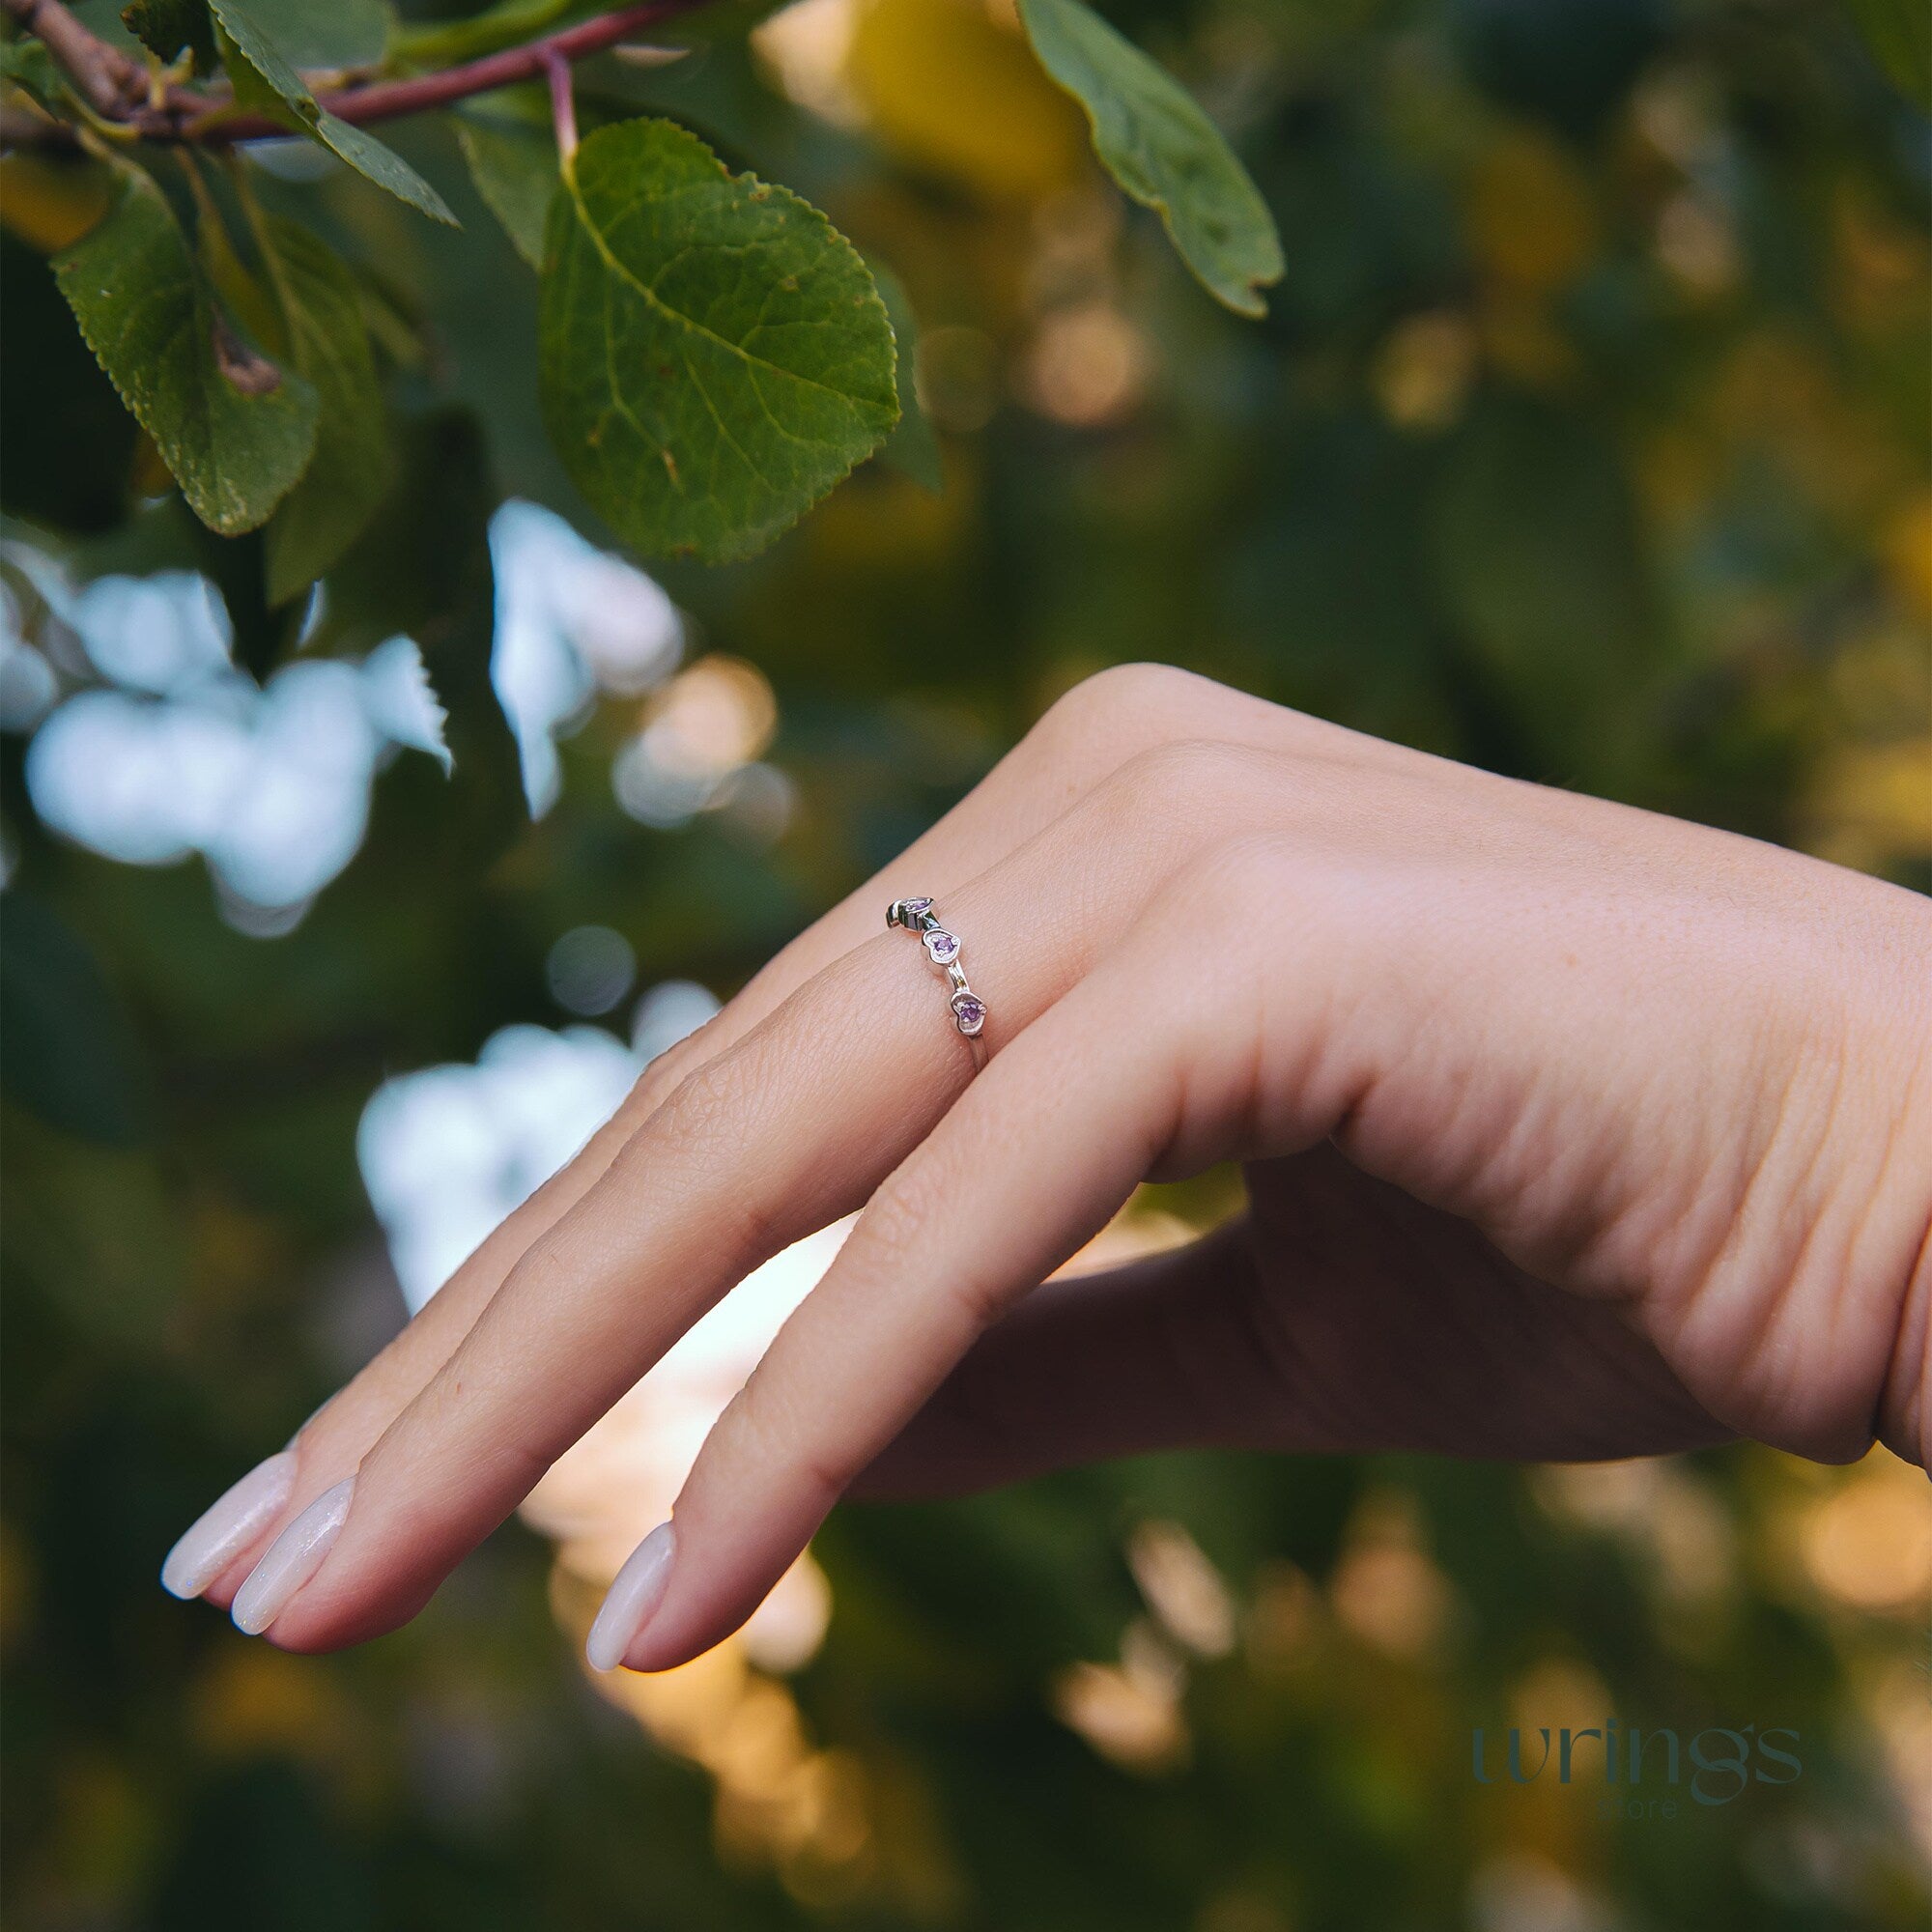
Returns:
<point x="228" y="1526"/>
<point x="292" y="1559"/>
<point x="634" y="1594"/>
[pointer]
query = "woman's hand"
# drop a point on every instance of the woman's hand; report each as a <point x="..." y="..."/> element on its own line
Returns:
<point x="1569" y="1132"/>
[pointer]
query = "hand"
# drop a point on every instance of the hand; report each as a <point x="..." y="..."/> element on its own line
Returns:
<point x="1569" y="1132"/>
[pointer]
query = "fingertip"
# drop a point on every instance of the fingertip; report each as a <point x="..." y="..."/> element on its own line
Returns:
<point x="213" y="1543"/>
<point x="631" y="1601"/>
<point x="292" y="1559"/>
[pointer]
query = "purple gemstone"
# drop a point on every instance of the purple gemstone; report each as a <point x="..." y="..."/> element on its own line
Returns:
<point x="970" y="1014"/>
<point x="943" y="946"/>
<point x="915" y="906"/>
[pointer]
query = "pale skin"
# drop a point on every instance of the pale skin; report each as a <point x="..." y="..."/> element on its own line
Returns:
<point x="1569" y="1132"/>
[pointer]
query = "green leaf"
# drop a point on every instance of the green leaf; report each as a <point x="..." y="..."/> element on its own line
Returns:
<point x="26" y="63"/>
<point x="912" y="449"/>
<point x="266" y="82"/>
<point x="66" y="1050"/>
<point x="235" y="430"/>
<point x="511" y="149"/>
<point x="167" y="28"/>
<point x="380" y="164"/>
<point x="713" y="353"/>
<point x="1899" y="34"/>
<point x="509" y="24"/>
<point x="234" y="283"/>
<point x="328" y="343"/>
<point x="325" y="33"/>
<point x="1153" y="139"/>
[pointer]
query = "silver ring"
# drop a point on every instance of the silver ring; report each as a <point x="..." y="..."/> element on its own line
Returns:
<point x="942" y="947"/>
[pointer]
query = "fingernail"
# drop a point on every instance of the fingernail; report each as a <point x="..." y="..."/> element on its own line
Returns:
<point x="292" y="1558"/>
<point x="228" y="1526"/>
<point x="636" y="1592"/>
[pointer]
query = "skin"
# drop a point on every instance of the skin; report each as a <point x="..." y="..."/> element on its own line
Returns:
<point x="1569" y="1132"/>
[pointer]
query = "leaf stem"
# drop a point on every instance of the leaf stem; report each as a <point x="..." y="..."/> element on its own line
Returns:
<point x="562" y="108"/>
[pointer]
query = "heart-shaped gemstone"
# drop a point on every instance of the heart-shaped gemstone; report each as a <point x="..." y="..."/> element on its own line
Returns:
<point x="943" y="946"/>
<point x="969" y="1014"/>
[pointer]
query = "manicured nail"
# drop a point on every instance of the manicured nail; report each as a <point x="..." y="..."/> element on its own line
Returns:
<point x="292" y="1558"/>
<point x="228" y="1526"/>
<point x="636" y="1592"/>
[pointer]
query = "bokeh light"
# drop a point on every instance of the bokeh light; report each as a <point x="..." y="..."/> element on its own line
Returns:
<point x="590" y="969"/>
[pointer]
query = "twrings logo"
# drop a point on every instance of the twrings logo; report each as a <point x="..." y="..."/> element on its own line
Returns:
<point x="1641" y="1773"/>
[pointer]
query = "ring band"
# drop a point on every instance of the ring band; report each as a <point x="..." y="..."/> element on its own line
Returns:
<point x="942" y="947"/>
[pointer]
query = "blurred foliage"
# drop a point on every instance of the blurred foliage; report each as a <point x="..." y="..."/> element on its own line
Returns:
<point x="1584" y="440"/>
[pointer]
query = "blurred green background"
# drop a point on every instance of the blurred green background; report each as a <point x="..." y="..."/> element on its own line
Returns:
<point x="1585" y="441"/>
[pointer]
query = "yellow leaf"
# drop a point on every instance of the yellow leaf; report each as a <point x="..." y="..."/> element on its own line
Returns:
<point x="1871" y="804"/>
<point x="1908" y="555"/>
<point x="1530" y="218"/>
<point x="49" y="204"/>
<point x="954" y="90"/>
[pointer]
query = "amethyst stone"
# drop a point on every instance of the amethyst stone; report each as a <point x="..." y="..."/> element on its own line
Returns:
<point x="943" y="946"/>
<point x="969" y="1014"/>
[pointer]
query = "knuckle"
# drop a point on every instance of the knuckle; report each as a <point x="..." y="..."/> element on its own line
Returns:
<point x="542" y="1268"/>
<point x="1132" y="691"/>
<point x="1273" y="858"/>
<point x="1232" y="873"/>
<point x="894" y="1234"/>
<point x="891" y="1227"/>
<point x="770" y="1432"/>
<point x="695" y="1148"/>
<point x="1189" y="766"/>
<point x="1281" y="897"/>
<point x="1133" y="702"/>
<point x="894" y="1240"/>
<point x="753" y="1227"/>
<point x="707" y="1109"/>
<point x="669" y="1071"/>
<point x="1195" y="775"/>
<point x="983" y="1300"/>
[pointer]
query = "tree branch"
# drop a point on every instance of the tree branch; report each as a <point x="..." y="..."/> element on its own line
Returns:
<point x="108" y="80"/>
<point x="117" y="88"/>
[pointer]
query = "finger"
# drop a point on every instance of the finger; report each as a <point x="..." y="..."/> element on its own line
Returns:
<point x="1154" y="1353"/>
<point x="1028" y="1165"/>
<point x="1379" y="1324"/>
<point x="1088" y="735"/>
<point x="791" y="1128"/>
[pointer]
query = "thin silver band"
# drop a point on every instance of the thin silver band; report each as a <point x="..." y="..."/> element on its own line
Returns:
<point x="942" y="947"/>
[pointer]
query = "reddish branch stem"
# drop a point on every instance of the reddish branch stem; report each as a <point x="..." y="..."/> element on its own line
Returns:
<point x="115" y="87"/>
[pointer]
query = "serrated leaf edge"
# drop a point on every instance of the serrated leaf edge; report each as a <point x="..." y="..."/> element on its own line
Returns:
<point x="228" y="526"/>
